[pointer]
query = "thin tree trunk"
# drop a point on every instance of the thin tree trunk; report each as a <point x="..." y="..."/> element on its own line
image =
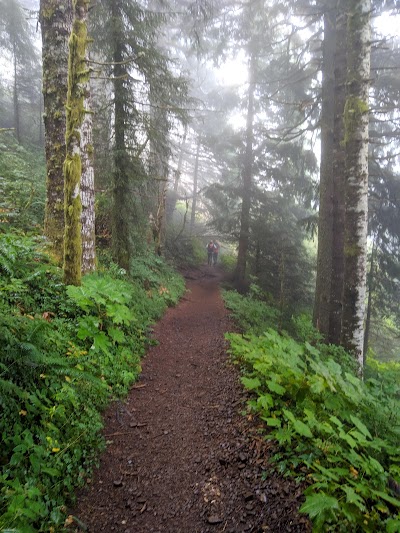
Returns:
<point x="244" y="234"/>
<point x="177" y="178"/>
<point x="87" y="190"/>
<point x="336" y="284"/>
<point x="371" y="286"/>
<point x="180" y="161"/>
<point x="17" y="129"/>
<point x="195" y="181"/>
<point x="121" y="231"/>
<point x="56" y="22"/>
<point x="356" y="117"/>
<point x="325" y="222"/>
<point x="78" y="77"/>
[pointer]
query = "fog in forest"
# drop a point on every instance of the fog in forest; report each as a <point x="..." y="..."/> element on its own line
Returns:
<point x="217" y="99"/>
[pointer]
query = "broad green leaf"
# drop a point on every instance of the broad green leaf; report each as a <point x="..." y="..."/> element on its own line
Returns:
<point x="359" y="425"/>
<point x="302" y="429"/>
<point x="393" y="525"/>
<point x="336" y="421"/>
<point x="101" y="342"/>
<point x="273" y="422"/>
<point x="386" y="497"/>
<point x="353" y="497"/>
<point x="251" y="383"/>
<point x="318" y="504"/>
<point x="283" y="435"/>
<point x="348" y="438"/>
<point x="275" y="387"/>
<point x="116" y="334"/>
<point x="265" y="402"/>
<point x="50" y="471"/>
<point x="289" y="415"/>
<point x="317" y="384"/>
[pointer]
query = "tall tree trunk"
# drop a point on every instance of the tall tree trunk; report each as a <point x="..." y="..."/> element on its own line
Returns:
<point x="121" y="231"/>
<point x="177" y="177"/>
<point x="78" y="77"/>
<point x="56" y="22"/>
<point x="17" y="128"/>
<point x="371" y="285"/>
<point x="338" y="157"/>
<point x="87" y="190"/>
<point x="356" y="117"/>
<point x="195" y="181"/>
<point x="247" y="176"/>
<point x="325" y="220"/>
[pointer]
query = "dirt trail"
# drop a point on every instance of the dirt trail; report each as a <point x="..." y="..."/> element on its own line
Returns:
<point x="181" y="458"/>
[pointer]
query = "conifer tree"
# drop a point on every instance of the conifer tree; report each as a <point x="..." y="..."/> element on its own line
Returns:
<point x="78" y="77"/>
<point x="56" y="21"/>
<point x="141" y="80"/>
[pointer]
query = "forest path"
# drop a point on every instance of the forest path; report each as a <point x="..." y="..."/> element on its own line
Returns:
<point x="180" y="456"/>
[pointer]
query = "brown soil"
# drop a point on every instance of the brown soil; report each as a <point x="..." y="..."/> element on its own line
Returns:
<point x="181" y="457"/>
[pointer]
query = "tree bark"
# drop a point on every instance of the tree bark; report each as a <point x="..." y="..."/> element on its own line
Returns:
<point x="17" y="128"/>
<point x="78" y="78"/>
<point x="338" y="158"/>
<point x="173" y="196"/>
<point x="195" y="181"/>
<point x="121" y="232"/>
<point x="356" y="117"/>
<point x="321" y="316"/>
<point x="371" y="285"/>
<point x="247" y="176"/>
<point x="56" y="21"/>
<point x="87" y="189"/>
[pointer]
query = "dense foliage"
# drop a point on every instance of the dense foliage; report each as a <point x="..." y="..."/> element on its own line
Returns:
<point x="336" y="432"/>
<point x="22" y="185"/>
<point x="66" y="352"/>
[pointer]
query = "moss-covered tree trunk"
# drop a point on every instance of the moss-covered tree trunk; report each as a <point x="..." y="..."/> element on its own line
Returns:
<point x="356" y="117"/>
<point x="247" y="180"/>
<point x="56" y="21"/>
<point x="325" y="221"/>
<point x="78" y="76"/>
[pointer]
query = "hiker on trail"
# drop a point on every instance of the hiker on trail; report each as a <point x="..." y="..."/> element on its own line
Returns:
<point x="210" y="252"/>
<point x="215" y="252"/>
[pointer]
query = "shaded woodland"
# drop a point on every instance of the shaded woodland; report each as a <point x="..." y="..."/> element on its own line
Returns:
<point x="133" y="133"/>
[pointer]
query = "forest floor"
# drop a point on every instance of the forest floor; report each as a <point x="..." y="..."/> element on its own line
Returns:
<point x="181" y="457"/>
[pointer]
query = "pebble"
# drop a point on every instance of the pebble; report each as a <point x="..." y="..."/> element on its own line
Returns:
<point x="214" y="519"/>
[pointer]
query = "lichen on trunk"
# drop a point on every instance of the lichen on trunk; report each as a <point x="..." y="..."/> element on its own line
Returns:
<point x="56" y="21"/>
<point x="78" y="75"/>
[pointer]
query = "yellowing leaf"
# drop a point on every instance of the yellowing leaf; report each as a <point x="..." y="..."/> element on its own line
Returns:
<point x="353" y="472"/>
<point x="55" y="450"/>
<point x="67" y="379"/>
<point x="23" y="412"/>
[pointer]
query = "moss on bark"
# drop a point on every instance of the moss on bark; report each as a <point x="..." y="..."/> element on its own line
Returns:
<point x="78" y="75"/>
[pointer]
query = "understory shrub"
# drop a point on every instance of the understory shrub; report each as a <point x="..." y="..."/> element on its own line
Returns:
<point x="337" y="433"/>
<point x="65" y="352"/>
<point x="251" y="314"/>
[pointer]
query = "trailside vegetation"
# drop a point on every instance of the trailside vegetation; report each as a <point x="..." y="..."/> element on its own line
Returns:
<point x="66" y="353"/>
<point x="334" y="432"/>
